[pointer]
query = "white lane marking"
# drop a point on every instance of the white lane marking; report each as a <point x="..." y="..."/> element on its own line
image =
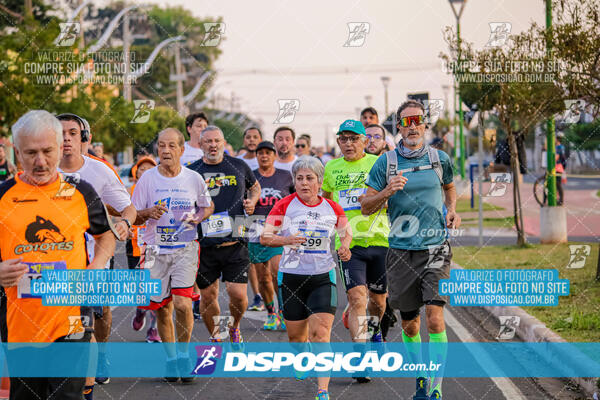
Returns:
<point x="506" y="385"/>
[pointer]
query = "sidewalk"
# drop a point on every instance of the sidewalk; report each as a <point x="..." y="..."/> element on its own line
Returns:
<point x="583" y="209"/>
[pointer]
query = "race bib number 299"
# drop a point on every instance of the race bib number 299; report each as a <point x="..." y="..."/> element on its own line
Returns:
<point x="317" y="240"/>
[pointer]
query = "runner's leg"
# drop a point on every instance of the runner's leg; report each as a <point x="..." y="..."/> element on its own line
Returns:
<point x="209" y="305"/>
<point x="238" y="301"/>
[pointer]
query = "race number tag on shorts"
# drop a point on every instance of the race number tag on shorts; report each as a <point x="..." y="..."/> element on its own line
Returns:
<point x="349" y="198"/>
<point x="35" y="272"/>
<point x="317" y="240"/>
<point x="174" y="235"/>
<point x="218" y="224"/>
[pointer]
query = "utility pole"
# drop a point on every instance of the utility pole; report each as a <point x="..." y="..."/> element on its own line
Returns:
<point x="81" y="37"/>
<point x="550" y="136"/>
<point x="126" y="59"/>
<point x="179" y="79"/>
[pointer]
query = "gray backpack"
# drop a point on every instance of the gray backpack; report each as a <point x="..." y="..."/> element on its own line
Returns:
<point x="434" y="163"/>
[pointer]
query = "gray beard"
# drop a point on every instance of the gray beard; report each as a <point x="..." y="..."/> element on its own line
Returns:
<point x="414" y="142"/>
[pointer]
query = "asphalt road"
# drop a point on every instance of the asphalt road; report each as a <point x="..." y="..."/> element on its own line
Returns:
<point x="463" y="324"/>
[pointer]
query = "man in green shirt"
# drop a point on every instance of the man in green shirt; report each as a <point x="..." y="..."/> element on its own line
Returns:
<point x="344" y="183"/>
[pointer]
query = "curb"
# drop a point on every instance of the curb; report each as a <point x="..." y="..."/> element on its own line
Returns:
<point x="531" y="329"/>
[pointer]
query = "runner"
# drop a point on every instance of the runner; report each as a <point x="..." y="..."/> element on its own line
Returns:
<point x="194" y="124"/>
<point x="369" y="116"/>
<point x="364" y="274"/>
<point x="252" y="136"/>
<point x="303" y="145"/>
<point x="284" y="138"/>
<point x="275" y="184"/>
<point x="224" y="251"/>
<point x="41" y="192"/>
<point x="113" y="194"/>
<point x="305" y="223"/>
<point x="7" y="169"/>
<point x="376" y="139"/>
<point x="173" y="200"/>
<point x="133" y="248"/>
<point x="416" y="263"/>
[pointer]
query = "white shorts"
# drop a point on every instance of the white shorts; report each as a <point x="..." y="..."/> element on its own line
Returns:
<point x="176" y="272"/>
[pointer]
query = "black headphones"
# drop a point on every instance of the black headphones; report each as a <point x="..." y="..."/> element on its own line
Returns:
<point x="85" y="134"/>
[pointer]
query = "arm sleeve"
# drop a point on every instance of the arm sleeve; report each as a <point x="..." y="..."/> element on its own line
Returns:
<point x="99" y="221"/>
<point x="377" y="176"/>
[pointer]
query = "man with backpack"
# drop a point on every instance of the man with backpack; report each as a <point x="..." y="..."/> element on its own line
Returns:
<point x="415" y="180"/>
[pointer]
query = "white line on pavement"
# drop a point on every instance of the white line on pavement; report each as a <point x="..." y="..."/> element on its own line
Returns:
<point x="506" y="385"/>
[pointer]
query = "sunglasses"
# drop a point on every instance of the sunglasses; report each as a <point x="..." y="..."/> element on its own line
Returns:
<point x="408" y="121"/>
<point x="351" y="139"/>
<point x="376" y="137"/>
<point x="300" y="146"/>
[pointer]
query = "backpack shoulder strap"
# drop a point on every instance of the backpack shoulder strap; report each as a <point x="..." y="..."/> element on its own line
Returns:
<point x="436" y="165"/>
<point x="392" y="165"/>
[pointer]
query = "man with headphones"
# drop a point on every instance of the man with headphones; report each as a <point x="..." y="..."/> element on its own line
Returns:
<point x="112" y="193"/>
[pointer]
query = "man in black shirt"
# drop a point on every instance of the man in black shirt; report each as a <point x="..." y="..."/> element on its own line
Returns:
<point x="224" y="254"/>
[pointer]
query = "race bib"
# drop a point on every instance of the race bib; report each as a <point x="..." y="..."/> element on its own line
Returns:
<point x="317" y="241"/>
<point x="218" y="224"/>
<point x="349" y="198"/>
<point x="35" y="272"/>
<point x="174" y="235"/>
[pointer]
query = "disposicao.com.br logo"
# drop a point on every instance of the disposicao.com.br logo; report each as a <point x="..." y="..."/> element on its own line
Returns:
<point x="350" y="362"/>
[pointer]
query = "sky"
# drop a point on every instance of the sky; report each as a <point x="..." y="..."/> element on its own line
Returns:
<point x="276" y="50"/>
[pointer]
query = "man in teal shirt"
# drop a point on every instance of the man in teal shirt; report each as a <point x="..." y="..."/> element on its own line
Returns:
<point x="419" y="254"/>
<point x="364" y="274"/>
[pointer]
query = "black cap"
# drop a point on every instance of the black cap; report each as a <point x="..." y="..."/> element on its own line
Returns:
<point x="266" y="145"/>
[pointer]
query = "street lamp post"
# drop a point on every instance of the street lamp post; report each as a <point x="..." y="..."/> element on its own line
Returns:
<point x="550" y="137"/>
<point x="457" y="15"/>
<point x="386" y="81"/>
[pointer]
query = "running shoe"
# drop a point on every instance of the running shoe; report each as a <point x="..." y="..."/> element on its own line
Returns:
<point x="185" y="369"/>
<point x="236" y="339"/>
<point x="345" y="317"/>
<point x="215" y="340"/>
<point x="281" y="321"/>
<point x="421" y="393"/>
<point x="102" y="377"/>
<point x="256" y="304"/>
<point x="152" y="336"/>
<point x="171" y="371"/>
<point x="322" y="394"/>
<point x="376" y="336"/>
<point x="362" y="379"/>
<point x="139" y="321"/>
<point x="435" y="395"/>
<point x="271" y="322"/>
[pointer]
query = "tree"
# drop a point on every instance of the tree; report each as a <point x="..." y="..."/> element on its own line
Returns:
<point x="516" y="82"/>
